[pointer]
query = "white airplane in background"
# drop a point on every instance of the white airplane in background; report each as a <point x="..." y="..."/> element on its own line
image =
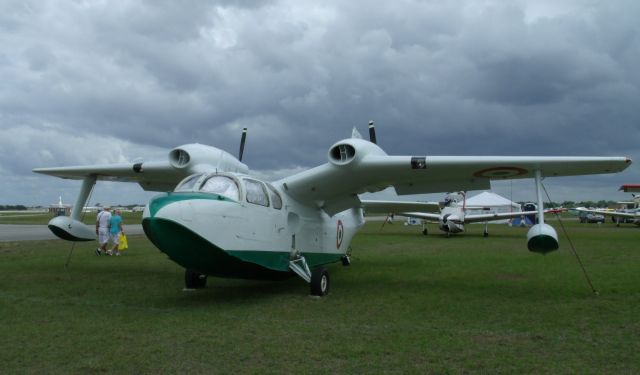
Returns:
<point x="632" y="213"/>
<point x="216" y="219"/>
<point x="451" y="217"/>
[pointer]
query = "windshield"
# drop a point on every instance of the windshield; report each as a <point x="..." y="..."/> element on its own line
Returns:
<point x="188" y="183"/>
<point x="221" y="185"/>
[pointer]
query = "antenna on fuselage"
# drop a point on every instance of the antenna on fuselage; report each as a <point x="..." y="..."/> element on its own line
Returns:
<point x="242" y="140"/>
<point x="372" y="132"/>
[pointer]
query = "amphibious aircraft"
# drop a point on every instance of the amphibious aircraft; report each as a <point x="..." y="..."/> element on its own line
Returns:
<point x="451" y="218"/>
<point x="629" y="214"/>
<point x="217" y="219"/>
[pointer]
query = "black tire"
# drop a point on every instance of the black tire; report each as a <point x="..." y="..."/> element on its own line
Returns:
<point x="425" y="231"/>
<point x="346" y="261"/>
<point x="319" y="281"/>
<point x="194" y="280"/>
<point x="486" y="234"/>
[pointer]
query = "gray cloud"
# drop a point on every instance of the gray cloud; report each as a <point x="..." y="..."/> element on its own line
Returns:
<point x="465" y="78"/>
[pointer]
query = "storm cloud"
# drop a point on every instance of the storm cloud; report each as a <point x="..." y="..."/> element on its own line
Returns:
<point x="86" y="82"/>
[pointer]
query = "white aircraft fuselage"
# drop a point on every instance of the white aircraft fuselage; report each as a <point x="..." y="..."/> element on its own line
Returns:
<point x="226" y="236"/>
<point x="451" y="220"/>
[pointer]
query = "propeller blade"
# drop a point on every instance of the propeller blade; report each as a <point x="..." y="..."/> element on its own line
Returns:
<point x="372" y="132"/>
<point x="242" y="140"/>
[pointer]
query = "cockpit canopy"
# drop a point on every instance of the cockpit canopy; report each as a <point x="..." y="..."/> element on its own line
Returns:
<point x="237" y="188"/>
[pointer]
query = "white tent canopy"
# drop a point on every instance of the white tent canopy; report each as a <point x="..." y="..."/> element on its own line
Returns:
<point x="490" y="202"/>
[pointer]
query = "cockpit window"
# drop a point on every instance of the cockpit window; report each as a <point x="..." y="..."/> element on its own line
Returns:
<point x="256" y="193"/>
<point x="221" y="185"/>
<point x="188" y="183"/>
<point x="276" y="200"/>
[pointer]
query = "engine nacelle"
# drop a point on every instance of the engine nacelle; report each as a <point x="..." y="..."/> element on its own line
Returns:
<point x="71" y="230"/>
<point x="542" y="238"/>
<point x="350" y="151"/>
<point x="201" y="158"/>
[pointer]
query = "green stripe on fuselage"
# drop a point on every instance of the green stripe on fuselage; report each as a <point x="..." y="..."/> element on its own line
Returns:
<point x="160" y="201"/>
<point x="192" y="251"/>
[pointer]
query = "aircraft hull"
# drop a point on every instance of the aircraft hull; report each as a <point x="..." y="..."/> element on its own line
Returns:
<point x="203" y="233"/>
<point x="192" y="251"/>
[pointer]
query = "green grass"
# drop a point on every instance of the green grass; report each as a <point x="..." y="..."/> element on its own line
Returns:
<point x="43" y="218"/>
<point x="408" y="304"/>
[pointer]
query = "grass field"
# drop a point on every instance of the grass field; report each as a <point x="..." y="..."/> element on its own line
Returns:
<point x="408" y="304"/>
<point x="43" y="218"/>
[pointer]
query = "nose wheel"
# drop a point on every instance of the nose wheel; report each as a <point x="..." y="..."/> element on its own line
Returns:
<point x="194" y="279"/>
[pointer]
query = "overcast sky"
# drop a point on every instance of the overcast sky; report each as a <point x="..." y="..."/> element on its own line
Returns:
<point x="92" y="81"/>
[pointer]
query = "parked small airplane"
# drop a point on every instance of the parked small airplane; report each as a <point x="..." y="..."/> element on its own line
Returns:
<point x="631" y="212"/>
<point x="216" y="219"/>
<point x="451" y="215"/>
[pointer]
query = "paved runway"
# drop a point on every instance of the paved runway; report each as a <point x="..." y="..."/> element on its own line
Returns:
<point x="9" y="232"/>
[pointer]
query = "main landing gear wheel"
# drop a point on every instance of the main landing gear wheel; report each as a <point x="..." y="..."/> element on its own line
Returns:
<point x="194" y="280"/>
<point x="425" y="231"/>
<point x="485" y="234"/>
<point x="319" y="281"/>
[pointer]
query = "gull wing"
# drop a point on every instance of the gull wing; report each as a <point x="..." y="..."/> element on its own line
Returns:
<point x="183" y="161"/>
<point x="152" y="176"/>
<point x="334" y="186"/>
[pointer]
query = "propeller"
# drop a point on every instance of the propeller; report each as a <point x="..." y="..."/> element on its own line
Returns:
<point x="242" y="140"/>
<point x="372" y="132"/>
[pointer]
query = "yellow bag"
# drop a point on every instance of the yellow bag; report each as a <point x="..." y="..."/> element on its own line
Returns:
<point x="123" y="242"/>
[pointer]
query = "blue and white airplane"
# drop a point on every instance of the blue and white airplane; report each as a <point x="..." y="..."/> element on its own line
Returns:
<point x="215" y="218"/>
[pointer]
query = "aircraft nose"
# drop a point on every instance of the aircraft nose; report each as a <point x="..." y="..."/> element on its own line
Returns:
<point x="160" y="202"/>
<point x="453" y="218"/>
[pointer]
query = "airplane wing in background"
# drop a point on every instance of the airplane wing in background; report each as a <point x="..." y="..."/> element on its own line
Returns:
<point x="356" y="166"/>
<point x="396" y="207"/>
<point x="631" y="215"/>
<point x="480" y="218"/>
<point x="421" y="215"/>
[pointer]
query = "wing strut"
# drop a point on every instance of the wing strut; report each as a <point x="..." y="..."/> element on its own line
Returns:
<point x="72" y="228"/>
<point x="538" y="177"/>
<point x="85" y="190"/>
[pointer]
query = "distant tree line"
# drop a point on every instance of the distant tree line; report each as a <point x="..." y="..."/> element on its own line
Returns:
<point x="17" y="207"/>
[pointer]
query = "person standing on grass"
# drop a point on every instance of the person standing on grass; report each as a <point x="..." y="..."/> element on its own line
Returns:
<point x="115" y="228"/>
<point x="102" y="229"/>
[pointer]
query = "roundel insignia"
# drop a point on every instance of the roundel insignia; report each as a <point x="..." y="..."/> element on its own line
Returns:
<point x="339" y="234"/>
<point x="500" y="172"/>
